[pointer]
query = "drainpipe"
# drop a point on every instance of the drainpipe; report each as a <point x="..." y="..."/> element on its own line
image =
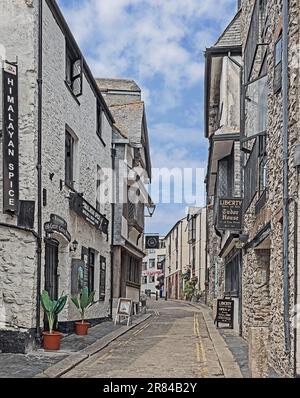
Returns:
<point x="285" y="139"/>
<point x="39" y="170"/>
<point x="113" y="157"/>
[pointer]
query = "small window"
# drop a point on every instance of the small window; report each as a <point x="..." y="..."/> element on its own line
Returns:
<point x="152" y="263"/>
<point x="74" y="68"/>
<point x="151" y="279"/>
<point x="99" y="119"/>
<point x="69" y="160"/>
<point x="102" y="278"/>
<point x="144" y="280"/>
<point x="278" y="65"/>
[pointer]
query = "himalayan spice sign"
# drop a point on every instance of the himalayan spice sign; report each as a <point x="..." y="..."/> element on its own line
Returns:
<point x="230" y="214"/>
<point x="10" y="139"/>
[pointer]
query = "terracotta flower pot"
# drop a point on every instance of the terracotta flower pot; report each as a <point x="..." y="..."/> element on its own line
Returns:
<point x="81" y="328"/>
<point x="52" y="341"/>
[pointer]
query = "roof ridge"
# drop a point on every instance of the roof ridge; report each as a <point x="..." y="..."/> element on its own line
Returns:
<point x="129" y="103"/>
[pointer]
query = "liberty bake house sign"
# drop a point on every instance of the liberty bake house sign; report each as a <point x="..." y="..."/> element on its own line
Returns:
<point x="10" y="139"/>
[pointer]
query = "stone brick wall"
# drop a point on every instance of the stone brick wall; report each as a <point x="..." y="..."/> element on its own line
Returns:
<point x="18" y="248"/>
<point x="263" y="303"/>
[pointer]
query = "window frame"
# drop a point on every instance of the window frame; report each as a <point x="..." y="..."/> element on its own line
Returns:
<point x="70" y="76"/>
<point x="69" y="165"/>
<point x="91" y="270"/>
<point x="102" y="277"/>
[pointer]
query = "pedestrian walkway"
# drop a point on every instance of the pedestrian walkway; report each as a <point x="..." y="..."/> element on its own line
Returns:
<point x="36" y="362"/>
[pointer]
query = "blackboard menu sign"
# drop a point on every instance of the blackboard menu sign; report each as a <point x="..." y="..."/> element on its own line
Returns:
<point x="225" y="312"/>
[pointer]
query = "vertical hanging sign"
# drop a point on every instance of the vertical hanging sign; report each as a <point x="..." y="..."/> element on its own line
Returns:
<point x="10" y="139"/>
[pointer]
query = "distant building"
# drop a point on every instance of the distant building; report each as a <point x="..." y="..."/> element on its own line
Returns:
<point x="153" y="269"/>
<point x="132" y="165"/>
<point x="177" y="259"/>
<point x="196" y="219"/>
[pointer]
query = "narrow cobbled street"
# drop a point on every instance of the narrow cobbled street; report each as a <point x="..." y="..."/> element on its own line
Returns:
<point x="178" y="341"/>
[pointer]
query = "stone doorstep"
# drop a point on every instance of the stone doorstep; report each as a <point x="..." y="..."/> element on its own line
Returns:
<point x="74" y="359"/>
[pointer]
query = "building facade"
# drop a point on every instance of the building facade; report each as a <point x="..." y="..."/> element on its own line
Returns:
<point x="177" y="259"/>
<point x="153" y="270"/>
<point x="132" y="166"/>
<point x="222" y="128"/>
<point x="265" y="249"/>
<point x="196" y="220"/>
<point x="53" y="234"/>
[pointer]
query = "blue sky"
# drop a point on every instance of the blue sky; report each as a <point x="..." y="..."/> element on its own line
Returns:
<point x="159" y="44"/>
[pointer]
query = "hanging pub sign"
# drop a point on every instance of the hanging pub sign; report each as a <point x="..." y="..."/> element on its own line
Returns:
<point x="230" y="211"/>
<point x="88" y="212"/>
<point x="152" y="242"/>
<point x="10" y="139"/>
<point x="57" y="224"/>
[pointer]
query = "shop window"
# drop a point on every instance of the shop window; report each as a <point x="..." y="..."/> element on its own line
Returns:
<point x="102" y="278"/>
<point x="133" y="271"/>
<point x="74" y="69"/>
<point x="232" y="277"/>
<point x="69" y="159"/>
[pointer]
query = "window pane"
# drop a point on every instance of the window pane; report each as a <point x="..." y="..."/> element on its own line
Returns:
<point x="256" y="97"/>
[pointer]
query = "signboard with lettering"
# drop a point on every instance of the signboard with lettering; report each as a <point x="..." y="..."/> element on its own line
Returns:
<point x="57" y="224"/>
<point x="88" y="212"/>
<point x="230" y="212"/>
<point x="10" y="139"/>
<point x="225" y="309"/>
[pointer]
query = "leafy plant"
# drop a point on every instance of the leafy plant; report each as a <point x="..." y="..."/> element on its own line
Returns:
<point x="189" y="289"/>
<point x="83" y="301"/>
<point x="52" y="307"/>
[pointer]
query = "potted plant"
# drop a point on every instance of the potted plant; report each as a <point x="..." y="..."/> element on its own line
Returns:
<point x="82" y="302"/>
<point x="52" y="308"/>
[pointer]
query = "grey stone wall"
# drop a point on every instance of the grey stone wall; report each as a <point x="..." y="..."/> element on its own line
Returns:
<point x="263" y="304"/>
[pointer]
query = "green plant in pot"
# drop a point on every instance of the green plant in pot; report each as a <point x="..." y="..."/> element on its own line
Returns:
<point x="52" y="308"/>
<point x="83" y="301"/>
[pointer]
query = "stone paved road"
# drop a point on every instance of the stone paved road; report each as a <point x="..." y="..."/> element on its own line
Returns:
<point x="179" y="341"/>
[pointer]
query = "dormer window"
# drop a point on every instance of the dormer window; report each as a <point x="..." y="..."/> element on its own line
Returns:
<point x="74" y="68"/>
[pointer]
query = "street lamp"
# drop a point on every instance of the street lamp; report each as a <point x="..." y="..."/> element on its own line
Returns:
<point x="151" y="210"/>
<point x="74" y="246"/>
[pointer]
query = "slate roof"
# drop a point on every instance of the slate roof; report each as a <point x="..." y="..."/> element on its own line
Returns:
<point x="232" y="34"/>
<point x="117" y="84"/>
<point x="129" y="119"/>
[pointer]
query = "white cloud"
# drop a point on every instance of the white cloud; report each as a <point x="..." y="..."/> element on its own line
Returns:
<point x="147" y="39"/>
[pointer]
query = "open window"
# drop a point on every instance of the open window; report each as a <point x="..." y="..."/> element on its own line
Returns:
<point x="74" y="71"/>
<point x="278" y="65"/>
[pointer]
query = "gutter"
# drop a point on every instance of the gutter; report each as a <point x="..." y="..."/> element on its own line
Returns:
<point x="285" y="182"/>
<point x="39" y="172"/>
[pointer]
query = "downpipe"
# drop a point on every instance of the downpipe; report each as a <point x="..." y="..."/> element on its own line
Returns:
<point x="285" y="139"/>
<point x="39" y="172"/>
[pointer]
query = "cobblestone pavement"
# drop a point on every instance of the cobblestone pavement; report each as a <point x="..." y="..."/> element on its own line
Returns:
<point x="179" y="341"/>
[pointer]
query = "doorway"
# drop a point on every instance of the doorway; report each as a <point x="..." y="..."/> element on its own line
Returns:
<point x="51" y="268"/>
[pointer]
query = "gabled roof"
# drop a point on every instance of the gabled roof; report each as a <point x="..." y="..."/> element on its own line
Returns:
<point x="129" y="119"/>
<point x="232" y="34"/>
